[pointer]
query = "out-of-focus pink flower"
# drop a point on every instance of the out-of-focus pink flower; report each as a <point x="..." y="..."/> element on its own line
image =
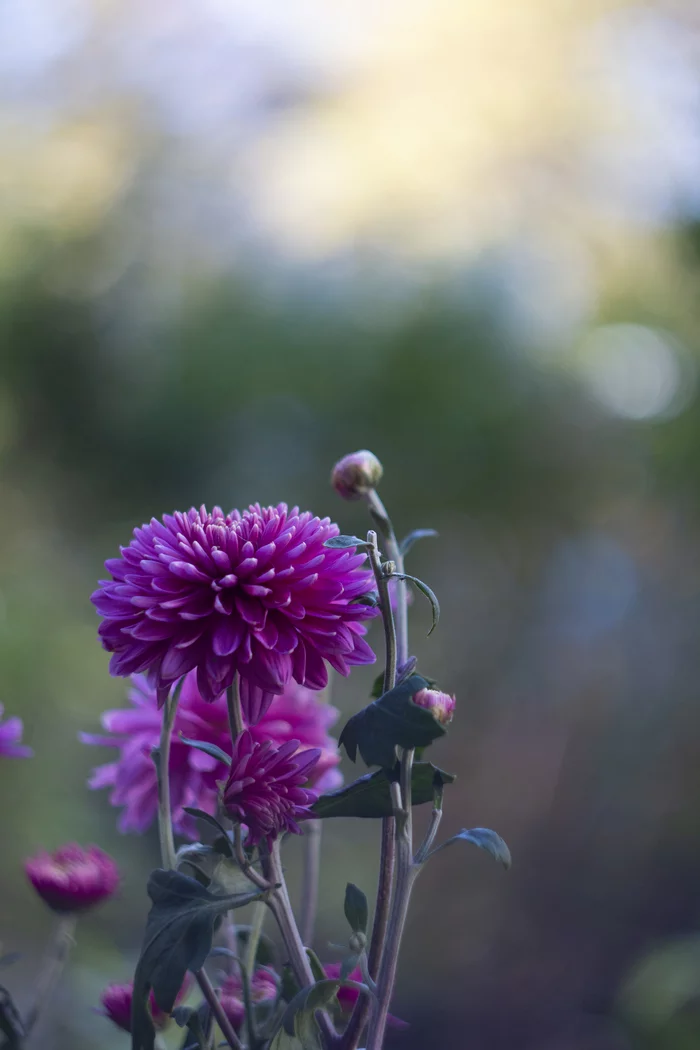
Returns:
<point x="262" y="988"/>
<point x="265" y="788"/>
<point x="116" y="1003"/>
<point x="347" y="997"/>
<point x="298" y="714"/>
<point x="440" y="705"/>
<point x="257" y="593"/>
<point x="73" y="878"/>
<point x="10" y="736"/>
<point x="355" y="475"/>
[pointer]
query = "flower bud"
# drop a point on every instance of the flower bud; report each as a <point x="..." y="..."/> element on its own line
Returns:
<point x="116" y="1003"/>
<point x="357" y="942"/>
<point x="354" y="476"/>
<point x="440" y="705"/>
<point x="73" y="879"/>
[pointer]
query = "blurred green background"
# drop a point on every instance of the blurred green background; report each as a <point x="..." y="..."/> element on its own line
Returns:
<point x="238" y="240"/>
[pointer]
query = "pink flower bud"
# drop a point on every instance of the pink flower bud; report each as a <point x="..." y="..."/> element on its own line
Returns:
<point x="357" y="474"/>
<point x="440" y="705"/>
<point x="73" y="878"/>
<point x="116" y="1004"/>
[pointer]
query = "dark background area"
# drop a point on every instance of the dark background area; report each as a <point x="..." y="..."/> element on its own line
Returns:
<point x="505" y="310"/>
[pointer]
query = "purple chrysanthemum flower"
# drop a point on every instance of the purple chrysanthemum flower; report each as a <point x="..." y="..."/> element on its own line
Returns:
<point x="298" y="714"/>
<point x="73" y="878"/>
<point x="10" y="736"/>
<point x="255" y="593"/>
<point x="264" y="787"/>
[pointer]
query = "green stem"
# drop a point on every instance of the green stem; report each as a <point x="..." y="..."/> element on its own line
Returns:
<point x="312" y="865"/>
<point x="235" y="715"/>
<point x="55" y="959"/>
<point x="393" y="553"/>
<point x="256" y="927"/>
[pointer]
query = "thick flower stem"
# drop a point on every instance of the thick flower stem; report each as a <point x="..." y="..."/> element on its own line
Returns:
<point x="161" y="757"/>
<point x="312" y="867"/>
<point x="54" y="961"/>
<point x="406" y="872"/>
<point x="256" y="927"/>
<point x="235" y="715"/>
<point x="396" y="644"/>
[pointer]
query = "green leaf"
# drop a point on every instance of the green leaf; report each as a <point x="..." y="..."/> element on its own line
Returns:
<point x="11" y="1024"/>
<point x="427" y="591"/>
<point x="370" y="795"/>
<point x="377" y="686"/>
<point x="284" y="1041"/>
<point x="178" y="938"/>
<point x="343" y="542"/>
<point x="485" y="839"/>
<point x="417" y="534"/>
<point x="227" y="877"/>
<point x="371" y="598"/>
<point x="194" y="1021"/>
<point x="348" y="965"/>
<point x="356" y="910"/>
<point x="207" y="818"/>
<point x="316" y="965"/>
<point x="208" y="749"/>
<point x="299" y="1019"/>
<point x="391" y="721"/>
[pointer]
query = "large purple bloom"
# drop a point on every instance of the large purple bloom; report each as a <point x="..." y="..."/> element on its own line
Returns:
<point x="10" y="736"/>
<point x="298" y="714"/>
<point x="264" y="787"/>
<point x="255" y="593"/>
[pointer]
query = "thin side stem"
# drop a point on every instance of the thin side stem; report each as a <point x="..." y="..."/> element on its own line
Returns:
<point x="393" y="552"/>
<point x="281" y="908"/>
<point x="256" y="927"/>
<point x="214" y="1003"/>
<point x="55" y="959"/>
<point x="161" y="757"/>
<point x="235" y="714"/>
<point x="312" y="866"/>
<point x="387" y="613"/>
<point x="424" y="848"/>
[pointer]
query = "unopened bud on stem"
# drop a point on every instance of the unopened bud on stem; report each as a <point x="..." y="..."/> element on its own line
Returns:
<point x="355" y="476"/>
<point x="440" y="705"/>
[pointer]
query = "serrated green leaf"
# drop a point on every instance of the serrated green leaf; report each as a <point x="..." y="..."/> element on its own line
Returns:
<point x="391" y="721"/>
<point x="370" y="796"/>
<point x="208" y="749"/>
<point x="178" y="937"/>
<point x="356" y="908"/>
<point x="485" y="839"/>
<point x="417" y="534"/>
<point x="343" y="542"/>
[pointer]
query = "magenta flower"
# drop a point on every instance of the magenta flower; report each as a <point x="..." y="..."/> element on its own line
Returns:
<point x="116" y="1003"/>
<point x="73" y="878"/>
<point x="347" y="997"/>
<point x="255" y="593"/>
<point x="264" y="788"/>
<point x="10" y="736"/>
<point x="262" y="988"/>
<point x="440" y="705"/>
<point x="298" y="714"/>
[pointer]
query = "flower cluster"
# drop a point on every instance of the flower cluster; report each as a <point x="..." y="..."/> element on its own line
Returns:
<point x="72" y="878"/>
<point x="265" y="789"/>
<point x="297" y="714"/>
<point x="263" y="988"/>
<point x="10" y="736"/>
<point x="256" y="594"/>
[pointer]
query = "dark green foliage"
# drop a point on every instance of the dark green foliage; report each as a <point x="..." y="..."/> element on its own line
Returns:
<point x="370" y="796"/>
<point x="391" y="721"/>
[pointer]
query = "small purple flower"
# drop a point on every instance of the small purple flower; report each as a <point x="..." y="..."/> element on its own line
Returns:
<point x="354" y="476"/>
<point x="347" y="997"/>
<point x="73" y="878"/>
<point x="440" y="705"/>
<point x="297" y="714"/>
<point x="264" y="787"/>
<point x="255" y="593"/>
<point x="116" y="1003"/>
<point x="263" y="987"/>
<point x="10" y="736"/>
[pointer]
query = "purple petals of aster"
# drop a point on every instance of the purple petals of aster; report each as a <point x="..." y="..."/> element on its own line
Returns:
<point x="255" y="593"/>
<point x="297" y="714"/>
<point x="10" y="736"/>
<point x="73" y="878"/>
<point x="264" y="788"/>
